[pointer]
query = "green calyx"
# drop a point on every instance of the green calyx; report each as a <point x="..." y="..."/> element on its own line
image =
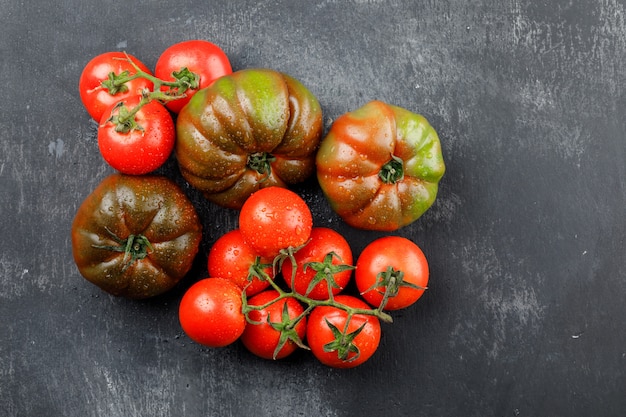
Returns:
<point x="392" y="171"/>
<point x="134" y="247"/>
<point x="343" y="343"/>
<point x="261" y="162"/>
<point x="325" y="271"/>
<point x="389" y="283"/>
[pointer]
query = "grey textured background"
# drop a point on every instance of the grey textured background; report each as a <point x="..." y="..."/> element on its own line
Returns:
<point x="526" y="310"/>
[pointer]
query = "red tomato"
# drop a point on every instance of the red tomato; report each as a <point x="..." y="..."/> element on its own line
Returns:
<point x="272" y="335"/>
<point x="95" y="95"/>
<point x="142" y="148"/>
<point x="336" y="345"/>
<point x="202" y="58"/>
<point x="394" y="262"/>
<point x="275" y="218"/>
<point x="232" y="258"/>
<point x="211" y="314"/>
<point x="327" y="255"/>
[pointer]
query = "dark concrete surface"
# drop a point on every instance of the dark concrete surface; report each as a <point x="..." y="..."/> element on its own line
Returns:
<point x="525" y="315"/>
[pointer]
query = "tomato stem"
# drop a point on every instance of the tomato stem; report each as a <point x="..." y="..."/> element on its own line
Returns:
<point x="134" y="247"/>
<point x="125" y="120"/>
<point x="392" y="171"/>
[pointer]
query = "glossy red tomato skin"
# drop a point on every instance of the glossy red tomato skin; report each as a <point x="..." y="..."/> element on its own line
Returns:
<point x="403" y="255"/>
<point x="210" y="312"/>
<point x="322" y="242"/>
<point x="319" y="334"/>
<point x="231" y="257"/>
<point x="94" y="96"/>
<point x="275" y="218"/>
<point x="201" y="57"/>
<point x="138" y="151"/>
<point x="262" y="339"/>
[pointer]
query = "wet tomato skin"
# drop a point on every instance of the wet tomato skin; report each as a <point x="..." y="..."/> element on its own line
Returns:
<point x="275" y="218"/>
<point x="231" y="257"/>
<point x="203" y="58"/>
<point x="319" y="333"/>
<point x="97" y="98"/>
<point x="143" y="148"/>
<point x="156" y="215"/>
<point x="210" y="312"/>
<point x="260" y="337"/>
<point x="400" y="254"/>
<point x="323" y="241"/>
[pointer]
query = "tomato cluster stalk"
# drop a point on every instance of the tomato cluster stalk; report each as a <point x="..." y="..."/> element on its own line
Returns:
<point x="124" y="120"/>
<point x="343" y="343"/>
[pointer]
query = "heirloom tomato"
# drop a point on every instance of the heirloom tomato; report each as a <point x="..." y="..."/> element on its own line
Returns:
<point x="395" y="265"/>
<point x="210" y="312"/>
<point x="379" y="166"/>
<point x="275" y="218"/>
<point x="251" y="129"/>
<point x="272" y="332"/>
<point x="104" y="81"/>
<point x="339" y="340"/>
<point x="135" y="236"/>
<point x="323" y="265"/>
<point x="136" y="143"/>
<point x="198" y="62"/>
<point x="233" y="258"/>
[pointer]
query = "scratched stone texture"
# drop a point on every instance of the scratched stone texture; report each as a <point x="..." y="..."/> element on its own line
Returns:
<point x="525" y="310"/>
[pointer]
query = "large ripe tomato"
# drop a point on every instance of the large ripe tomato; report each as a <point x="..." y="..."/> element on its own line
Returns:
<point x="380" y="166"/>
<point x="232" y="258"/>
<point x="271" y="332"/>
<point x="99" y="86"/>
<point x="138" y="144"/>
<point x="392" y="262"/>
<point x="339" y="345"/>
<point x="210" y="312"/>
<point x="203" y="58"/>
<point x="275" y="218"/>
<point x="325" y="262"/>
<point x="251" y="129"/>
<point x="135" y="236"/>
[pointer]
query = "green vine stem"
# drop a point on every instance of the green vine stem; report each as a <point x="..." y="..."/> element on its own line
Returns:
<point x="287" y="324"/>
<point x="125" y="119"/>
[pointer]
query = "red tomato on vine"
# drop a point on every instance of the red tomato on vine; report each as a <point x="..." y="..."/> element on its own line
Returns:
<point x="275" y="218"/>
<point x="201" y="58"/>
<point x="137" y="143"/>
<point x="276" y="330"/>
<point x="339" y="340"/>
<point x="395" y="265"/>
<point x="210" y="312"/>
<point x="323" y="266"/>
<point x="103" y="82"/>
<point x="232" y="258"/>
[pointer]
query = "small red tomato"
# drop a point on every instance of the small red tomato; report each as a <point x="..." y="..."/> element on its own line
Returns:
<point x="339" y="345"/>
<point x="275" y="218"/>
<point x="202" y="58"/>
<point x="136" y="144"/>
<point x="101" y="82"/>
<point x="394" y="263"/>
<point x="232" y="258"/>
<point x="272" y="334"/>
<point x="211" y="313"/>
<point x="325" y="262"/>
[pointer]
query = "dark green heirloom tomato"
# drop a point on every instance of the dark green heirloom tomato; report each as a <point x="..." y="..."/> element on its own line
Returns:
<point x="135" y="236"/>
<point x="379" y="166"/>
<point x="252" y="129"/>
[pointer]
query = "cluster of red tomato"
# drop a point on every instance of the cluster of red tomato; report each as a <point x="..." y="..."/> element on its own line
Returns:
<point x="277" y="280"/>
<point x="136" y="132"/>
